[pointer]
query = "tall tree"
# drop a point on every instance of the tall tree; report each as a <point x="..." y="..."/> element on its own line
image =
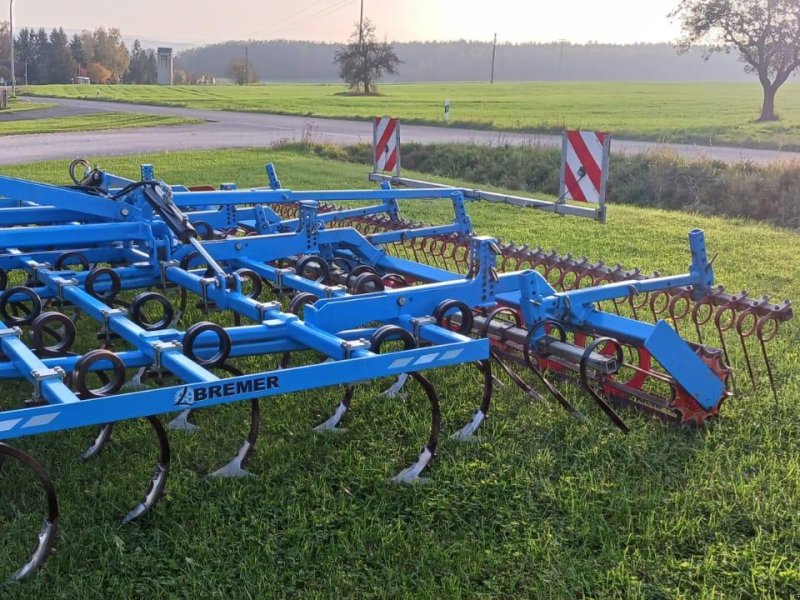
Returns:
<point x="364" y="60"/>
<point x="79" y="53"/>
<point x="107" y="48"/>
<point x="5" y="51"/>
<point x="766" y="34"/>
<point x="143" y="67"/>
<point x="58" y="60"/>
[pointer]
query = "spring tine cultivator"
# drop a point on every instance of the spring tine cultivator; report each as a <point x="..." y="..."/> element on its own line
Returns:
<point x="335" y="274"/>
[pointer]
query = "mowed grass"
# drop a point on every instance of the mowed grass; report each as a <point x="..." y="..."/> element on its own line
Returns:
<point x="20" y="106"/>
<point x="540" y="506"/>
<point x="93" y="122"/>
<point x="704" y="113"/>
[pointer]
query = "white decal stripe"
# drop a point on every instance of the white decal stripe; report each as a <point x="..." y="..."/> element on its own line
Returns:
<point x="451" y="354"/>
<point x="426" y="359"/>
<point x="40" y="420"/>
<point x="8" y="425"/>
<point x="400" y="362"/>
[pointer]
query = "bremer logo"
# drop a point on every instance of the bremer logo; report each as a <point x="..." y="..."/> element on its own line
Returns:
<point x="187" y="396"/>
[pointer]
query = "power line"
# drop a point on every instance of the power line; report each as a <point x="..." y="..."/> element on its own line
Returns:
<point x="299" y="13"/>
<point x="293" y="22"/>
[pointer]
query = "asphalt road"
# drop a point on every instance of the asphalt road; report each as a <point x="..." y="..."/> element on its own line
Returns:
<point x="225" y="129"/>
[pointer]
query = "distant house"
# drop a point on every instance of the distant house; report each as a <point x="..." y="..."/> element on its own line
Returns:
<point x="82" y="81"/>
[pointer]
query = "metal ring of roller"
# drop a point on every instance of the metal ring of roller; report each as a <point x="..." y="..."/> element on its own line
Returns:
<point x="300" y="300"/>
<point x="83" y="368"/>
<point x="255" y="281"/>
<point x="49" y="531"/>
<point x="355" y="272"/>
<point x="205" y="229"/>
<point x="97" y="273"/>
<point x="42" y="323"/>
<point x="500" y="310"/>
<point x="139" y="318"/>
<point x="194" y="331"/>
<point x="362" y="281"/>
<point x="61" y="261"/>
<point x="343" y="264"/>
<point x="295" y="304"/>
<point x="526" y="351"/>
<point x="388" y="332"/>
<point x="467" y="318"/>
<point x="186" y="262"/>
<point x="313" y="260"/>
<point x="33" y="297"/>
<point x="394" y="280"/>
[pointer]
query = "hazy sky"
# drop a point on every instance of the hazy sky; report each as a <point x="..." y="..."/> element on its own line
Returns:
<point x="200" y="21"/>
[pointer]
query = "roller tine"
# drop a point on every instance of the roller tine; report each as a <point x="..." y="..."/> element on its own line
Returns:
<point x="158" y="482"/>
<point x="427" y="454"/>
<point x="747" y="361"/>
<point x="235" y="468"/>
<point x="135" y="382"/>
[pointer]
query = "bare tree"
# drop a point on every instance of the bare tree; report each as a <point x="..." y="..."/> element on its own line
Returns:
<point x="242" y="72"/>
<point x="766" y="33"/>
<point x="364" y="60"/>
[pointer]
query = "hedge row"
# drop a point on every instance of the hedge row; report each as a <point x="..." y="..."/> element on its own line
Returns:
<point x="663" y="180"/>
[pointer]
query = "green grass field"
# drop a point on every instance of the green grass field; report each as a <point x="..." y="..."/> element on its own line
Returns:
<point x="540" y="507"/>
<point x="678" y="112"/>
<point x="19" y="106"/>
<point x="93" y="122"/>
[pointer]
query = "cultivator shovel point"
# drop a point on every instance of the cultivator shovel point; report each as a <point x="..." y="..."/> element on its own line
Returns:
<point x="181" y="289"/>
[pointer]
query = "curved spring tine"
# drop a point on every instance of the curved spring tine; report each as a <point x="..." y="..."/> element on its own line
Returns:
<point x="412" y="473"/>
<point x="394" y="390"/>
<point x="467" y="433"/>
<point x="49" y="531"/>
<point x="744" y="332"/>
<point x="235" y="468"/>
<point x="763" y="338"/>
<point x="518" y="381"/>
<point x="599" y="400"/>
<point x="554" y="391"/>
<point x="332" y="422"/>
<point x="182" y="422"/>
<point x="158" y="482"/>
<point x="101" y="439"/>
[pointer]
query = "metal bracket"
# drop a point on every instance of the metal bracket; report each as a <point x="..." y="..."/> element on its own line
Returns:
<point x="11" y="332"/>
<point x="163" y="347"/>
<point x="42" y="376"/>
<point x="166" y="264"/>
<point x="331" y="290"/>
<point x="418" y="323"/>
<point x="62" y="283"/>
<point x="279" y="274"/>
<point x="265" y="307"/>
<point x="352" y="345"/>
<point x="205" y="283"/>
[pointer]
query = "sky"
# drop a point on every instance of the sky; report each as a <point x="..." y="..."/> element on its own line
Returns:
<point x="208" y="21"/>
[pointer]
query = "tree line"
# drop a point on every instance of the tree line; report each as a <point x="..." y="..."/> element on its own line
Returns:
<point x="53" y="57"/>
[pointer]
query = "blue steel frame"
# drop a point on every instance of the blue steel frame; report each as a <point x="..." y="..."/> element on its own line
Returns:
<point x="122" y="226"/>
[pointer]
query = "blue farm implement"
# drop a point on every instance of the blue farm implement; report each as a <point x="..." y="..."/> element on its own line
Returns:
<point x="337" y="274"/>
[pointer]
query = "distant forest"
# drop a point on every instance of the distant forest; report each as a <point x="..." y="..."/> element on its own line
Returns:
<point x="471" y="61"/>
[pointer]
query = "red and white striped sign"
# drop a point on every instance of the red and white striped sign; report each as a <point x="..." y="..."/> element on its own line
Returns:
<point x="584" y="166"/>
<point x="386" y="144"/>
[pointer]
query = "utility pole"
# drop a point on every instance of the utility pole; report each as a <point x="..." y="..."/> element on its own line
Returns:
<point x="561" y="59"/>
<point x="11" y="27"/>
<point x="494" y="51"/>
<point x="246" y="64"/>
<point x="361" y="25"/>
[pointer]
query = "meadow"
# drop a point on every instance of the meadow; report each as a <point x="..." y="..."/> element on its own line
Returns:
<point x="92" y="122"/>
<point x="541" y="506"/>
<point x="702" y="113"/>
